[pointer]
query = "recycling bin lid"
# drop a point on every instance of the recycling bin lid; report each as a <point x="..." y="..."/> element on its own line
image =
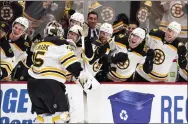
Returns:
<point x="130" y="97"/>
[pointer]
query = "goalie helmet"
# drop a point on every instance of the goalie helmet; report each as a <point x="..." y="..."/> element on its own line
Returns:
<point x="23" y="21"/>
<point x="175" y="27"/>
<point x="139" y="32"/>
<point x="77" y="17"/>
<point x="106" y="27"/>
<point x="53" y="29"/>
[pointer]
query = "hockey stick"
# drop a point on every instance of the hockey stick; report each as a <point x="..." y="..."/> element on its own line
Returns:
<point x="84" y="93"/>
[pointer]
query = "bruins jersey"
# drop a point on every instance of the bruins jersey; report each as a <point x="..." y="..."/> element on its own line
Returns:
<point x="51" y="58"/>
<point x="123" y="71"/>
<point x="78" y="52"/>
<point x="12" y="52"/>
<point x="165" y="53"/>
<point x="95" y="66"/>
<point x="7" y="57"/>
<point x="175" y="13"/>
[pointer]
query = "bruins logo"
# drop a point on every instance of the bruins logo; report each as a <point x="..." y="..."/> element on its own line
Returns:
<point x="155" y="29"/>
<point x="107" y="14"/>
<point x="142" y="14"/>
<point x="96" y="67"/>
<point x="26" y="44"/>
<point x="10" y="50"/>
<point x="159" y="57"/>
<point x="176" y="10"/>
<point x="121" y="35"/>
<point x="123" y="65"/>
<point x="6" y="13"/>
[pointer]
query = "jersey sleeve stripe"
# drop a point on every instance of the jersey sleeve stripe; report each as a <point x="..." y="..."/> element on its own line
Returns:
<point x="50" y="72"/>
<point x="66" y="56"/>
<point x="67" y="59"/>
<point x="8" y="64"/>
<point x="2" y="51"/>
<point x="70" y="61"/>
<point x="7" y="67"/>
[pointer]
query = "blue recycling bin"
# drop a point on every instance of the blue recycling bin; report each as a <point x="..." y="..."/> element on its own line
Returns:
<point x="131" y="107"/>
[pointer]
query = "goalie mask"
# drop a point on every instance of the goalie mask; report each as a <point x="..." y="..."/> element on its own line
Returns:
<point x="136" y="37"/>
<point x="173" y="31"/>
<point x="53" y="29"/>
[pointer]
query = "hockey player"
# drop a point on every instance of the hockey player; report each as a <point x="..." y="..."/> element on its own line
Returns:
<point x="52" y="59"/>
<point x="132" y="50"/>
<point x="75" y="19"/>
<point x="174" y="11"/>
<point x="74" y="39"/>
<point x="183" y="73"/>
<point x="166" y="47"/>
<point x="95" y="49"/>
<point x="14" y="45"/>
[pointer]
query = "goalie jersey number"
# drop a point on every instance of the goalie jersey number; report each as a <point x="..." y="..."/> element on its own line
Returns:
<point x="37" y="58"/>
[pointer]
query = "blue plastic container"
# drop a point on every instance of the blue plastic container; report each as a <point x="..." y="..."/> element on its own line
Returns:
<point x="131" y="107"/>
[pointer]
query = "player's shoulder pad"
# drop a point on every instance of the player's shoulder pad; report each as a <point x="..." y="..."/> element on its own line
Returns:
<point x="56" y="40"/>
<point x="23" y="43"/>
<point x="157" y="33"/>
<point x="176" y="42"/>
<point x="121" y="38"/>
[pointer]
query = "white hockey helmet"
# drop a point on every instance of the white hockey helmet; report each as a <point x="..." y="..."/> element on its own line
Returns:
<point x="175" y="26"/>
<point x="76" y="29"/>
<point x="54" y="29"/>
<point x="77" y="17"/>
<point x="23" y="21"/>
<point x="106" y="27"/>
<point x="139" y="32"/>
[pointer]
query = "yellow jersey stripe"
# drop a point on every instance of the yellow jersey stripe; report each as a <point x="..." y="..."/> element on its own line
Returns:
<point x="70" y="61"/>
<point x="121" y="45"/>
<point x="67" y="56"/>
<point x="171" y="46"/>
<point x="117" y="75"/>
<point x="138" y="54"/>
<point x="49" y="69"/>
<point x="157" y="38"/>
<point x="8" y="64"/>
<point x="2" y="51"/>
<point x="17" y="47"/>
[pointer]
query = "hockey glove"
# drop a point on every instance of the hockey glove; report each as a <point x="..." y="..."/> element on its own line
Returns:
<point x="83" y="80"/>
<point x="182" y="57"/>
<point x="99" y="53"/>
<point x="148" y="65"/>
<point x="119" y="57"/>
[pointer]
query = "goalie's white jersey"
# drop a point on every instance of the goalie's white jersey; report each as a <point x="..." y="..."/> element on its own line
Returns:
<point x="165" y="53"/>
<point x="175" y="13"/>
<point x="51" y="60"/>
